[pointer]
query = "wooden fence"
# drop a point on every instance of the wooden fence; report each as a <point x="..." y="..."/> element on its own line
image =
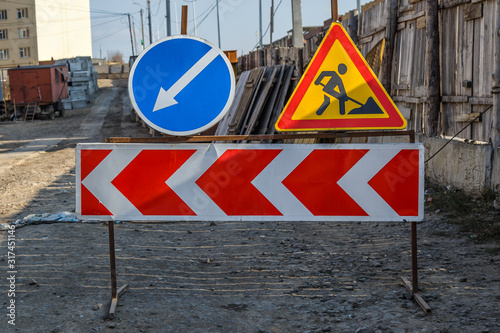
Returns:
<point x="468" y="33"/>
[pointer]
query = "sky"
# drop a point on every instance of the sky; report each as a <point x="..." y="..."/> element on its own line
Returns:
<point x="239" y="22"/>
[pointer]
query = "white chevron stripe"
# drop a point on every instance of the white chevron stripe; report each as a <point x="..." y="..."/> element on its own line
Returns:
<point x="182" y="182"/>
<point x="269" y="181"/>
<point x="98" y="182"/>
<point x="355" y="183"/>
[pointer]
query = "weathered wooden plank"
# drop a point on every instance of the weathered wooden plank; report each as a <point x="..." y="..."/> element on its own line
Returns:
<point x="371" y="33"/>
<point x="282" y="95"/>
<point x="266" y="137"/>
<point x="468" y="54"/>
<point x="468" y="117"/>
<point x="473" y="11"/>
<point x="478" y="61"/>
<point x="454" y="99"/>
<point x="481" y="100"/>
<point x="257" y="105"/>
<point x="407" y="8"/>
<point x="417" y="83"/>
<point x="413" y="1"/>
<point x="407" y="99"/>
<point x="251" y="87"/>
<point x="421" y="22"/>
<point x="223" y="126"/>
<point x="446" y="4"/>
<point x="459" y="65"/>
<point x="365" y="40"/>
<point x="411" y="17"/>
<point x="401" y="86"/>
<point x="419" y="116"/>
<point x="448" y="52"/>
<point x="269" y="106"/>
<point x="489" y="20"/>
<point x="390" y="41"/>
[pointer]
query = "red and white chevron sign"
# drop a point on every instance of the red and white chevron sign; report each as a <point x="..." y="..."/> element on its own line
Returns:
<point x="233" y="182"/>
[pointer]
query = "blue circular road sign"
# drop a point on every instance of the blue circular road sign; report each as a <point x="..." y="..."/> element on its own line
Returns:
<point x="181" y="85"/>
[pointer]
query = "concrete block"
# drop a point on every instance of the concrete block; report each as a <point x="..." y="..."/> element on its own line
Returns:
<point x="67" y="105"/>
<point x="115" y="69"/>
<point x="75" y="66"/>
<point x="79" y="103"/>
<point x="81" y="74"/>
<point x="102" y="69"/>
<point x="461" y="165"/>
<point x="78" y="94"/>
<point x="80" y="78"/>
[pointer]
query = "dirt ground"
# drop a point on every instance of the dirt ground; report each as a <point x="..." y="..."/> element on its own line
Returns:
<point x="217" y="276"/>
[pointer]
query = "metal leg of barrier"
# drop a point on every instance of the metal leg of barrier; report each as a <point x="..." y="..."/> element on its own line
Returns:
<point x="112" y="263"/>
<point x="413" y="286"/>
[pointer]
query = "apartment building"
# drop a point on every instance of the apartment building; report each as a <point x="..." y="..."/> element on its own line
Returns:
<point x="33" y="31"/>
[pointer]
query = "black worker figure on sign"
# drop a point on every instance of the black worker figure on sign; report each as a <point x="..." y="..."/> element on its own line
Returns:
<point x="335" y="88"/>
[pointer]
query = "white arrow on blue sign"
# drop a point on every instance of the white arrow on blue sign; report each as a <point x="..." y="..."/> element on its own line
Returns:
<point x="181" y="85"/>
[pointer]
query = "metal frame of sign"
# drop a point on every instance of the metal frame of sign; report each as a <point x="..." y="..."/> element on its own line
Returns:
<point x="266" y="185"/>
<point x="412" y="285"/>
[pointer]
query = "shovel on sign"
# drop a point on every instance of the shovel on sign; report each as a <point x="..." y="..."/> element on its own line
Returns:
<point x="370" y="107"/>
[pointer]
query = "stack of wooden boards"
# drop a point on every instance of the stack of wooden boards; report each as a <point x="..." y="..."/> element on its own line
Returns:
<point x="261" y="94"/>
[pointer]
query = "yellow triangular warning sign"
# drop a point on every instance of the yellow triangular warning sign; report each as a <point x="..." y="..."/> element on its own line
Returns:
<point x="339" y="91"/>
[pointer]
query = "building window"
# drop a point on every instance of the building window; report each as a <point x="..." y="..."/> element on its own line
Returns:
<point x="24" y="52"/>
<point x="4" y="54"/>
<point x="23" y="33"/>
<point x="3" y="14"/>
<point x="22" y="13"/>
<point x="3" y="34"/>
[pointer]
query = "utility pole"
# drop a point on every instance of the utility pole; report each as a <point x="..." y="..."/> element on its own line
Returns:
<point x="218" y="22"/>
<point x="169" y="28"/>
<point x="142" y="30"/>
<point x="149" y="21"/>
<point x="432" y="107"/>
<point x="359" y="6"/>
<point x="271" y="29"/>
<point x="260" y="23"/>
<point x="335" y="10"/>
<point x="298" y="35"/>
<point x="131" y="39"/>
<point x="135" y="39"/>
<point x="194" y="16"/>
<point x="184" y="20"/>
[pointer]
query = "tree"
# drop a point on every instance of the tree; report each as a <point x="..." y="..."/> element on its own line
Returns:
<point x="115" y="56"/>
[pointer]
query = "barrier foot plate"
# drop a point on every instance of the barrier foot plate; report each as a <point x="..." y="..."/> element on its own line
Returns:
<point x="416" y="296"/>
<point x="114" y="301"/>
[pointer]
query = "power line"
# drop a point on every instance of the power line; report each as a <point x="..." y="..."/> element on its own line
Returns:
<point x="447" y="142"/>
<point x="72" y="8"/>
<point x="204" y="18"/>
<point x="108" y="35"/>
<point x="269" y="26"/>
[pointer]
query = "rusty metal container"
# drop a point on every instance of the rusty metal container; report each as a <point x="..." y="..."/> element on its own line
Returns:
<point x="44" y="85"/>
